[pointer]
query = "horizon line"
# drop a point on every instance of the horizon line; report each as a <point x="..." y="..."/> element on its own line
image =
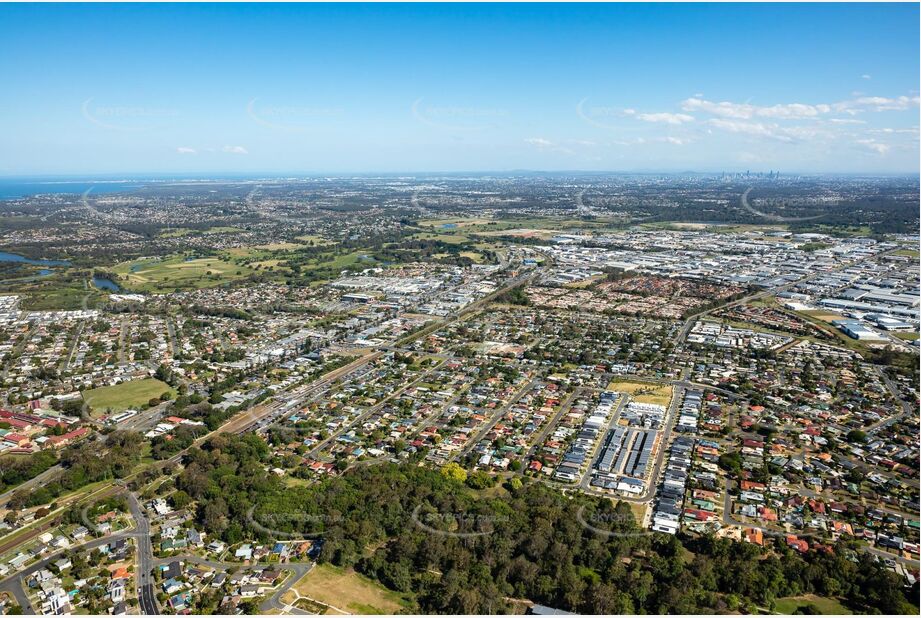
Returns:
<point x="281" y="174"/>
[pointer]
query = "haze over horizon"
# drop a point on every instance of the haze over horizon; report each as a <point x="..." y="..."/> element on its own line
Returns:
<point x="365" y="89"/>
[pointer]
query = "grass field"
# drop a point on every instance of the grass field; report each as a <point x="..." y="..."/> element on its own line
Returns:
<point x="644" y="392"/>
<point x="178" y="232"/>
<point x="313" y="240"/>
<point x="639" y="511"/>
<point x="788" y="605"/>
<point x="457" y="222"/>
<point x="177" y="273"/>
<point x="346" y="590"/>
<point x="481" y="225"/>
<point x="125" y="395"/>
<point x="821" y="314"/>
<point x="524" y="233"/>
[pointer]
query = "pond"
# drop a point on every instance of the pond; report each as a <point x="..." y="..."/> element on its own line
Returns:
<point x="105" y="284"/>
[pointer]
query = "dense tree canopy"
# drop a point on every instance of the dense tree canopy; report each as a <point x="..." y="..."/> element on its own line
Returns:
<point x="417" y="530"/>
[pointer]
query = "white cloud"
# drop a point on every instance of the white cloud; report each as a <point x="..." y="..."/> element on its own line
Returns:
<point x="797" y="111"/>
<point x="677" y="141"/>
<point x="846" y="121"/>
<point x="545" y="145"/>
<point x="236" y="150"/>
<point x="631" y="142"/>
<point x="539" y="142"/>
<point x="666" y="117"/>
<point x="874" y="146"/>
<point x="883" y="104"/>
<point x="746" y="111"/>
<point x="910" y="130"/>
<point x="751" y="128"/>
<point x="865" y="76"/>
<point x="186" y="150"/>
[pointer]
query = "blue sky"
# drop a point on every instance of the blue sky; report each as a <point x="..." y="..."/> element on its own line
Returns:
<point x="93" y="89"/>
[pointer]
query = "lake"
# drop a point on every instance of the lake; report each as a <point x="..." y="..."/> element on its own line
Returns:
<point x="12" y="257"/>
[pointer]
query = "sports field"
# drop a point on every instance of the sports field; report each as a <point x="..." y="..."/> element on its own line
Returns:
<point x="125" y="395"/>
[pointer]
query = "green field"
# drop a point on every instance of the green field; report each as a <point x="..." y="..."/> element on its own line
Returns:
<point x="64" y="289"/>
<point x="125" y="395"/>
<point x="314" y="240"/>
<point x="346" y="590"/>
<point x="185" y="231"/>
<point x="178" y="273"/>
<point x="788" y="605"/>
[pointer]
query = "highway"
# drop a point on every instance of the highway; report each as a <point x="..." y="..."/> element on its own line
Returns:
<point x="32" y="483"/>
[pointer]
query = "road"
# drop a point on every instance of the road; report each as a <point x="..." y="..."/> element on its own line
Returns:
<point x="16" y="351"/>
<point x="585" y="481"/>
<point x="370" y="411"/>
<point x="72" y="350"/>
<point x="671" y="419"/>
<point x="894" y="391"/>
<point x="273" y="601"/>
<point x="729" y="520"/>
<point x="13" y="583"/>
<point x="689" y="322"/>
<point x="550" y="426"/>
<point x="145" y="559"/>
<point x="491" y="422"/>
<point x="31" y="483"/>
<point x="47" y="522"/>
<point x="171" y="335"/>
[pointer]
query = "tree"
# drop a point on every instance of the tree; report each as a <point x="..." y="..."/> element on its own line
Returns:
<point x="480" y="480"/>
<point x="454" y="472"/>
<point x="856" y="436"/>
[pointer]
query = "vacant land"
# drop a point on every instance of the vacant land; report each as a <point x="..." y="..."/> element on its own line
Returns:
<point x="644" y="392"/>
<point x="346" y="590"/>
<point x="177" y="273"/>
<point x="825" y="316"/>
<point x="789" y="605"/>
<point x="125" y="395"/>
